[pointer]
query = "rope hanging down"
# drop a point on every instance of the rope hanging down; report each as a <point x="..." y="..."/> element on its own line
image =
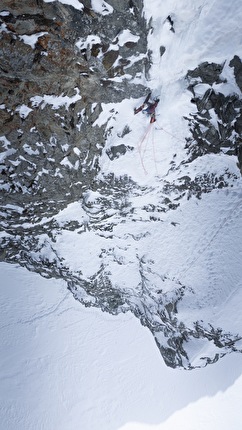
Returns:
<point x="146" y="135"/>
<point x="167" y="132"/>
<point x="140" y="144"/>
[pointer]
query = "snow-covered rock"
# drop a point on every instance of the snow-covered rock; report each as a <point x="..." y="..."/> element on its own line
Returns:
<point x="134" y="216"/>
<point x="64" y="367"/>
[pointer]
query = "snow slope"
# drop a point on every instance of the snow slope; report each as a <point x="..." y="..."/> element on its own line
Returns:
<point x="63" y="366"/>
<point x="193" y="244"/>
<point x="142" y="238"/>
<point x="204" y="31"/>
<point x="66" y="367"/>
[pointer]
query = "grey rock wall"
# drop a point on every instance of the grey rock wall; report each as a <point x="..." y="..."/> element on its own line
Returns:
<point x="54" y="152"/>
<point x="226" y="136"/>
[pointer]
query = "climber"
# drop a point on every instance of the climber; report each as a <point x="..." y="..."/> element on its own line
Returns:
<point x="150" y="109"/>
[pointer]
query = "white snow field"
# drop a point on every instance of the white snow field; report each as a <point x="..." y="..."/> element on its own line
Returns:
<point x="66" y="367"/>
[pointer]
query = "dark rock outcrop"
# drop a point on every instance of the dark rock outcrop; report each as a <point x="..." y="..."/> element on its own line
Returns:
<point x="54" y="76"/>
<point x="236" y="63"/>
<point x="216" y="126"/>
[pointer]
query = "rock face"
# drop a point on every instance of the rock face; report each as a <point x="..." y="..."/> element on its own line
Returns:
<point x="226" y="108"/>
<point x="59" y="67"/>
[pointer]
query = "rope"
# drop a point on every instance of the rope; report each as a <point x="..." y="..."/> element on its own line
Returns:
<point x="175" y="137"/>
<point x="144" y="136"/>
<point x="146" y="141"/>
<point x="140" y="147"/>
<point x="154" y="155"/>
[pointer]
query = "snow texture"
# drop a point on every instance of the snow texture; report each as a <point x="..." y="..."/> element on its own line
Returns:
<point x="23" y="111"/>
<point x="158" y="245"/>
<point x="55" y="101"/>
<point x="66" y="367"/>
<point x="32" y="39"/>
<point x="189" y="246"/>
<point x="74" y="3"/>
<point x="101" y="7"/>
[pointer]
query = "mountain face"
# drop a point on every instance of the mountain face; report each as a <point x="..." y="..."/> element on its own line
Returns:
<point x="55" y="73"/>
<point x="134" y="216"/>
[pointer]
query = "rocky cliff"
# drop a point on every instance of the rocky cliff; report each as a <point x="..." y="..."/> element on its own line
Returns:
<point x="62" y="68"/>
<point x="57" y="65"/>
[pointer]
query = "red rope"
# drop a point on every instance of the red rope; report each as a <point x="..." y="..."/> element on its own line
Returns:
<point x="154" y="155"/>
<point x="144" y="136"/>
